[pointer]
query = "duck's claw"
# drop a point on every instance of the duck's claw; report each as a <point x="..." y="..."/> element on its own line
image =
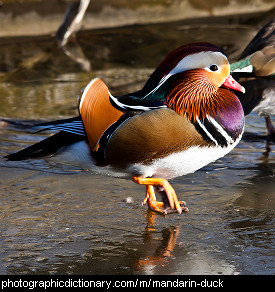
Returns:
<point x="172" y="205"/>
<point x="150" y="199"/>
<point x="168" y="210"/>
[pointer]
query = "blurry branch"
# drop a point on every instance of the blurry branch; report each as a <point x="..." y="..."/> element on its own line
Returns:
<point x="71" y="24"/>
<point x="72" y="21"/>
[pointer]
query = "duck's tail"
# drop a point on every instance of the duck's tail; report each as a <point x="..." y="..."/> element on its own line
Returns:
<point x="46" y="147"/>
<point x="70" y="131"/>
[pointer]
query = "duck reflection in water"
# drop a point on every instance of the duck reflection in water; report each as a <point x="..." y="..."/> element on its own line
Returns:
<point x="157" y="251"/>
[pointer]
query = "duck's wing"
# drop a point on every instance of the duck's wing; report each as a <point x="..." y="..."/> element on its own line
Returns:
<point x="97" y="115"/>
<point x="263" y="62"/>
<point x="96" y="111"/>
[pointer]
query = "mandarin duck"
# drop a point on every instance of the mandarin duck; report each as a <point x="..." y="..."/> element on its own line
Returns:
<point x="184" y="117"/>
<point x="256" y="72"/>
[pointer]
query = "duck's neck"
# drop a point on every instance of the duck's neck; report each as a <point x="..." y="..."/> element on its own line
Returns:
<point x="231" y="116"/>
<point x="201" y="102"/>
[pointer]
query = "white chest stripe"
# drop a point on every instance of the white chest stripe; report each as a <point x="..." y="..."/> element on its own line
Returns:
<point x="206" y="132"/>
<point x="220" y="129"/>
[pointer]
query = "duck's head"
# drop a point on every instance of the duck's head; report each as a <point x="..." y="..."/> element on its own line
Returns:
<point x="204" y="56"/>
<point x="199" y="78"/>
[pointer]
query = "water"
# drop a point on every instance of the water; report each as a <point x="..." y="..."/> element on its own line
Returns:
<point x="59" y="220"/>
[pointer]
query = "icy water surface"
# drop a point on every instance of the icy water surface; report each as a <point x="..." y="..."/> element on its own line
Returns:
<point x="59" y="220"/>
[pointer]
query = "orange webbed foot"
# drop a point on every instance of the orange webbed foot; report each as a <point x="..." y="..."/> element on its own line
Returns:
<point x="173" y="204"/>
<point x="150" y="199"/>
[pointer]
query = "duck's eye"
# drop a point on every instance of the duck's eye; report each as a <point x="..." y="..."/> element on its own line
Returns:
<point x="213" y="68"/>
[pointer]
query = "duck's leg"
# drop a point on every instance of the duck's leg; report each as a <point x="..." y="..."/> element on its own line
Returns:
<point x="150" y="197"/>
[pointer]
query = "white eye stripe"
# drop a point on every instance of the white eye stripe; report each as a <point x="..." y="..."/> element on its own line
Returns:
<point x="194" y="61"/>
<point x="199" y="60"/>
